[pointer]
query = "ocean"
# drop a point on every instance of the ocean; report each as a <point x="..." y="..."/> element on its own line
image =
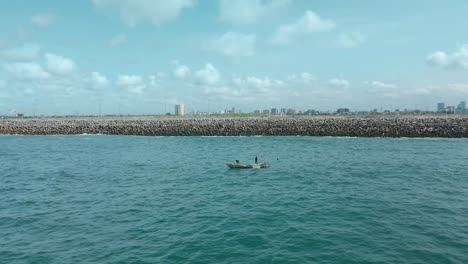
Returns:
<point x="128" y="199"/>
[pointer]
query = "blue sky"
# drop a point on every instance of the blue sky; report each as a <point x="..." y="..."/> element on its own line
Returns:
<point x="144" y="56"/>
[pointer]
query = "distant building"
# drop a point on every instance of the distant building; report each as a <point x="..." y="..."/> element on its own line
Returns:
<point x="311" y="112"/>
<point x="256" y="112"/>
<point x="440" y="107"/>
<point x="291" y="111"/>
<point x="283" y="111"/>
<point x="274" y="111"/>
<point x="342" y="111"/>
<point x="179" y="109"/>
<point x="461" y="108"/>
<point x="266" y="112"/>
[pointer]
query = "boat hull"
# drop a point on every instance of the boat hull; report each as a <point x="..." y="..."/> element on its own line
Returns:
<point x="247" y="166"/>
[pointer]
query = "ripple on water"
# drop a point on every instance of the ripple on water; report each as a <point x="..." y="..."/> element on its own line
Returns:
<point x="70" y="199"/>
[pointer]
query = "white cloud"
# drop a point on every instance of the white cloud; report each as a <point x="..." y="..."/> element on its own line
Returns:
<point x="263" y="84"/>
<point x="308" y="23"/>
<point x="460" y="57"/>
<point x="438" y="58"/>
<point x="248" y="11"/>
<point x="381" y="85"/>
<point x="134" y="12"/>
<point x="133" y="83"/>
<point x="457" y="59"/>
<point x="350" y="40"/>
<point x="304" y="77"/>
<point x="209" y="75"/>
<point x="118" y="40"/>
<point x="182" y="72"/>
<point x="234" y="44"/>
<point x="129" y="80"/>
<point x="338" y="82"/>
<point x="99" y="80"/>
<point x="382" y="89"/>
<point x="26" y="52"/>
<point x="43" y="20"/>
<point x="59" y="65"/>
<point x="422" y="91"/>
<point x="27" y="71"/>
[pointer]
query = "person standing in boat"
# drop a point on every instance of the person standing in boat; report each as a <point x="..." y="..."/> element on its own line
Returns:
<point x="256" y="160"/>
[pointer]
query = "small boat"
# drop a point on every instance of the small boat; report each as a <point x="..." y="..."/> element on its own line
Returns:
<point x="247" y="166"/>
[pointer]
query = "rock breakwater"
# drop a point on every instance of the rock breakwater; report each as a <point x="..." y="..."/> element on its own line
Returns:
<point x="424" y="126"/>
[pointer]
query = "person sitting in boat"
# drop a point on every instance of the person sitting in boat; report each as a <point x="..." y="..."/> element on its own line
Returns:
<point x="256" y="160"/>
<point x="237" y="161"/>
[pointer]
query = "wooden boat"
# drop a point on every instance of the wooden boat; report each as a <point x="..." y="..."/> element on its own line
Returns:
<point x="247" y="166"/>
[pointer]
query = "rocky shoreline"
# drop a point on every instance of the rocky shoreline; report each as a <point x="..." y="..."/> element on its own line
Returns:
<point x="352" y="126"/>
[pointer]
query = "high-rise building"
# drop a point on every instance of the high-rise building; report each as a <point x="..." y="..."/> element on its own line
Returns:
<point x="462" y="105"/>
<point x="274" y="111"/>
<point x="440" y="107"/>
<point x="266" y="112"/>
<point x="461" y="108"/>
<point x="179" y="110"/>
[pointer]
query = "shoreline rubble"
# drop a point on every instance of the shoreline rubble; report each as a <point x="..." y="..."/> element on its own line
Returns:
<point x="351" y="126"/>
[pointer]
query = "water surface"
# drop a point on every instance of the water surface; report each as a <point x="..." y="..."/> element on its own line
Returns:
<point x="124" y="199"/>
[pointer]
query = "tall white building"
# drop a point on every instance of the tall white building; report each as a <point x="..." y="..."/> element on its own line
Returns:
<point x="179" y="110"/>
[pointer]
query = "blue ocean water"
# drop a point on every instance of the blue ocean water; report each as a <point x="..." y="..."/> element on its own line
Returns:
<point x="125" y="199"/>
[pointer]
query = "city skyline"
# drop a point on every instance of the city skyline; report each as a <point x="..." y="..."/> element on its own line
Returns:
<point x="143" y="57"/>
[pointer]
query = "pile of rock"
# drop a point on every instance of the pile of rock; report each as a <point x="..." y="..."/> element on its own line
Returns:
<point x="426" y="126"/>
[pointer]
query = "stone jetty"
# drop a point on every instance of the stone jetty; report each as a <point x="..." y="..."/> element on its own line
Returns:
<point x="352" y="126"/>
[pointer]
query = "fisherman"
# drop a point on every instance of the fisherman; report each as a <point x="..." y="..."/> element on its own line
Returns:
<point x="237" y="161"/>
<point x="256" y="160"/>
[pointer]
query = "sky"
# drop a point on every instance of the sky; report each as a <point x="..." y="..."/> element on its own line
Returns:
<point x="144" y="56"/>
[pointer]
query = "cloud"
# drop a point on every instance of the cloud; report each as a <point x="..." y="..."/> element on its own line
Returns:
<point x="381" y="85"/>
<point x="59" y="65"/>
<point x="26" y="52"/>
<point x="98" y="80"/>
<point x="307" y="24"/>
<point x="382" y="89"/>
<point x="182" y="72"/>
<point x="133" y="83"/>
<point x="438" y="58"/>
<point x="422" y="91"/>
<point x="304" y="77"/>
<point x="350" y="40"/>
<point x="233" y="44"/>
<point x="156" y="12"/>
<point x="262" y="84"/>
<point x="248" y="11"/>
<point x="209" y="75"/>
<point x="118" y="40"/>
<point x="338" y="82"/>
<point x="129" y="80"/>
<point x="456" y="59"/>
<point x="43" y="20"/>
<point x="27" y="71"/>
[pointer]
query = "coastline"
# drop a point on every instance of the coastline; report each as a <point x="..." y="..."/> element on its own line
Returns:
<point x="348" y="126"/>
